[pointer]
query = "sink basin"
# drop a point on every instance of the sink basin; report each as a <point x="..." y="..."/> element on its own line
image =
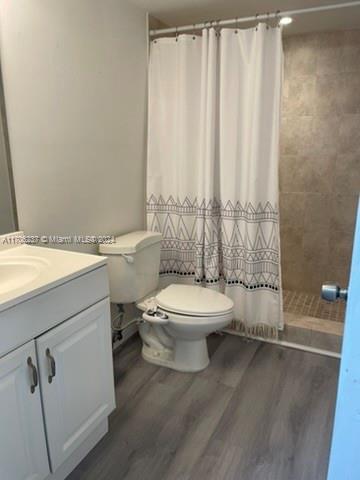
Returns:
<point x="15" y="272"/>
<point x="27" y="271"/>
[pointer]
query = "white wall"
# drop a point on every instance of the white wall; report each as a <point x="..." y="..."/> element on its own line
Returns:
<point x="7" y="222"/>
<point x="75" y="90"/>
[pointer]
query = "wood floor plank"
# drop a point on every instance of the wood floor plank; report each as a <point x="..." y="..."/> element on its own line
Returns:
<point x="131" y="372"/>
<point x="230" y="360"/>
<point x="198" y="412"/>
<point x="259" y="412"/>
<point x="279" y="419"/>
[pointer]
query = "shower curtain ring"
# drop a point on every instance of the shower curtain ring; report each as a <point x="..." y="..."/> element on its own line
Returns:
<point x="194" y="27"/>
<point x="236" y="24"/>
<point x="267" y="20"/>
<point x="176" y="34"/>
<point x="277" y="16"/>
<point x="218" y="27"/>
<point x="256" y="19"/>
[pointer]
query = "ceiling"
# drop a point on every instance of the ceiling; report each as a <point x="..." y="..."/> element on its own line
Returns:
<point x="187" y="12"/>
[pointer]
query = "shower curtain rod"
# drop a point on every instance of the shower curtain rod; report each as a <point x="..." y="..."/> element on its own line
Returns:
<point x="263" y="16"/>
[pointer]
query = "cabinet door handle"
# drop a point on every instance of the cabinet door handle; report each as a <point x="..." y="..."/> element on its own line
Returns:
<point x="34" y="375"/>
<point x="52" y="365"/>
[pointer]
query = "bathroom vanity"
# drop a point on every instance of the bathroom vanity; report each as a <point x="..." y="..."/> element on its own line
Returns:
<point x="56" y="372"/>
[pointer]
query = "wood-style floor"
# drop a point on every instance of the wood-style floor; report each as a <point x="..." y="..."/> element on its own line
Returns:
<point x="258" y="412"/>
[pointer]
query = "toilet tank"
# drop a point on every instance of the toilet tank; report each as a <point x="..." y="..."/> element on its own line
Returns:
<point x="133" y="265"/>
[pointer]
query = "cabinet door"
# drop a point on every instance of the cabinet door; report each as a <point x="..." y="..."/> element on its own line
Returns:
<point x="23" y="454"/>
<point x="76" y="375"/>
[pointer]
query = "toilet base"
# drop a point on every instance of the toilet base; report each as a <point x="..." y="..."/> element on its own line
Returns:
<point x="187" y="356"/>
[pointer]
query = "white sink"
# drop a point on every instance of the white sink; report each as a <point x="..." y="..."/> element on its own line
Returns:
<point x="27" y="271"/>
<point x="15" y="272"/>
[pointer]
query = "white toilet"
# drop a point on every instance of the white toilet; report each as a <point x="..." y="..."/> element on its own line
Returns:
<point x="177" y="319"/>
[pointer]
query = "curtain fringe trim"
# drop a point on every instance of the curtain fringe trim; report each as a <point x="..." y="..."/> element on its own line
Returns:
<point x="260" y="330"/>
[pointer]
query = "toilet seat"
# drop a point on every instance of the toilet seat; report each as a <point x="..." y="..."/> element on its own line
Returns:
<point x="192" y="300"/>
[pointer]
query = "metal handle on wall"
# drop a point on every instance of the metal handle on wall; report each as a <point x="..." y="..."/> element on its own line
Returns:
<point x="332" y="291"/>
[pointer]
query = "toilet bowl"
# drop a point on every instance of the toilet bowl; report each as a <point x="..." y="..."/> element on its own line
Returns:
<point x="177" y="319"/>
<point x="180" y="318"/>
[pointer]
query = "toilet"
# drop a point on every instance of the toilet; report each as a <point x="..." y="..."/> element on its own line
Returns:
<point x="177" y="319"/>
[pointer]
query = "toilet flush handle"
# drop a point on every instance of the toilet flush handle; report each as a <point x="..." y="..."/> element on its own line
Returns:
<point x="127" y="258"/>
<point x="156" y="316"/>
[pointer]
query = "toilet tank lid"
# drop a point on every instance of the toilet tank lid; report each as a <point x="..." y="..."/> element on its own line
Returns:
<point x="130" y="242"/>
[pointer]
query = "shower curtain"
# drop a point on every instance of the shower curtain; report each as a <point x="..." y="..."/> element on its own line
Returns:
<point x="212" y="173"/>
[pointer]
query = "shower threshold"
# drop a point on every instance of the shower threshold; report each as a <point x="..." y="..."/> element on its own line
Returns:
<point x="313" y="322"/>
<point x="310" y="324"/>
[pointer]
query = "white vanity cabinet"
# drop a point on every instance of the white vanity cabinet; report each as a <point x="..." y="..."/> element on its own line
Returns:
<point x="23" y="453"/>
<point x="76" y="378"/>
<point x="57" y="387"/>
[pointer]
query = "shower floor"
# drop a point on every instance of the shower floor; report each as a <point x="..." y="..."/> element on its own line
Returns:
<point x="313" y="322"/>
<point x="310" y="305"/>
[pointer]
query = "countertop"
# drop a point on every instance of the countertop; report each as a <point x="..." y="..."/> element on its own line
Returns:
<point x="55" y="268"/>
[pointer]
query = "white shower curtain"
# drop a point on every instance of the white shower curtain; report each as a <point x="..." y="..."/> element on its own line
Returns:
<point x="212" y="179"/>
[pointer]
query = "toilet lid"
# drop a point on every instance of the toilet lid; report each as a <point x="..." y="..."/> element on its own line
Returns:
<point x="193" y="300"/>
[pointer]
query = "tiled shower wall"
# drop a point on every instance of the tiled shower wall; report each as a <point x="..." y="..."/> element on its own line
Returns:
<point x="320" y="157"/>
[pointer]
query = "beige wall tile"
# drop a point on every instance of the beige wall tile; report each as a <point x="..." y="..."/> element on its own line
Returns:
<point x="317" y="211"/>
<point x="350" y="55"/>
<point x="328" y="53"/>
<point x="307" y="174"/>
<point x="292" y="274"/>
<point x="299" y="95"/>
<point x="291" y="244"/>
<point x="320" y="163"/>
<point x="314" y="275"/>
<point x="342" y="211"/>
<point x="292" y="174"/>
<point x="349" y="92"/>
<point x="293" y="234"/>
<point x="347" y="173"/>
<point x="341" y="244"/>
<point x="292" y="208"/>
<point x="296" y="136"/>
<point x="328" y="90"/>
<point x="349" y="134"/>
<point x="325" y="135"/>
<point x="319" y="173"/>
<point x="316" y="246"/>
<point x="302" y="60"/>
<point x="338" y="273"/>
